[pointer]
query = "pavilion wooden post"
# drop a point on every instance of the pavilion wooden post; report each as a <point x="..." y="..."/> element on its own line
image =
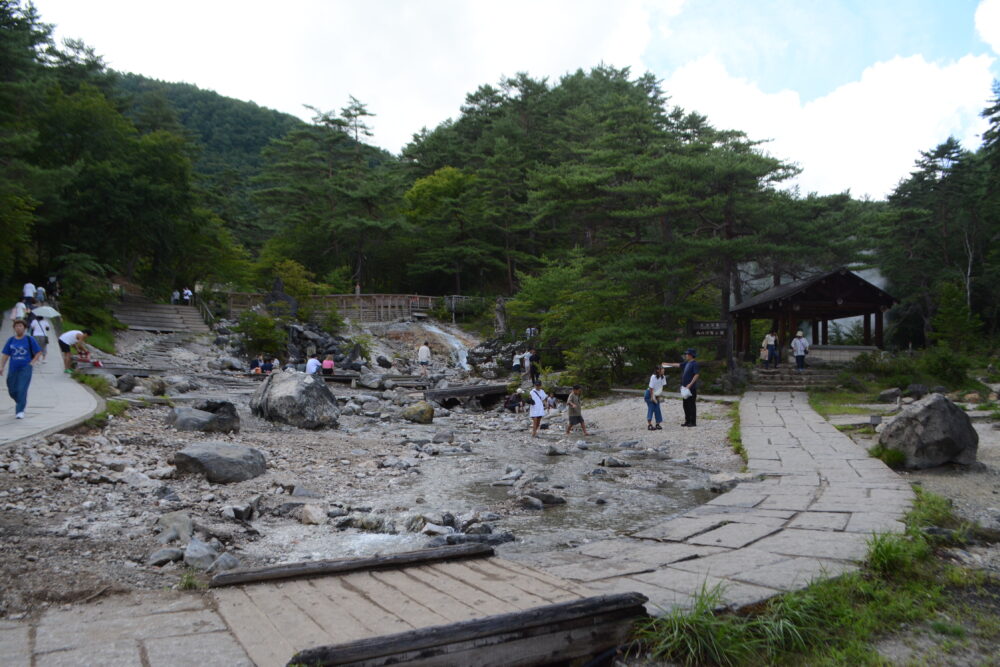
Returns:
<point x="879" y="329"/>
<point x="826" y="333"/>
<point x="866" y="318"/>
<point x="814" y="332"/>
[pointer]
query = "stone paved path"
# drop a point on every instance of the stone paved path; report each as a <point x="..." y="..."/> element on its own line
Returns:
<point x="821" y="499"/>
<point x="55" y="400"/>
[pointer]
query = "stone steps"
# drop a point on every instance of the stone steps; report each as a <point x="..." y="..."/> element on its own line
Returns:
<point x="141" y="314"/>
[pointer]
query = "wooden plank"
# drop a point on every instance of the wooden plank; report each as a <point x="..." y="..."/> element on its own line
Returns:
<point x="368" y="613"/>
<point x="578" y="589"/>
<point x="334" y="618"/>
<point x="342" y="565"/>
<point x="549" y="625"/>
<point x="405" y="602"/>
<point x="264" y="643"/>
<point x="528" y="579"/>
<point x="295" y="626"/>
<point x="496" y="585"/>
<point x="449" y="586"/>
<point x="465" y="391"/>
<point x="450" y="608"/>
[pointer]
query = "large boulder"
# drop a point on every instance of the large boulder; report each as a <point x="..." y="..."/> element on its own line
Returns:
<point x="223" y="420"/>
<point x="420" y="412"/>
<point x="890" y="395"/>
<point x="931" y="432"/>
<point x="296" y="399"/>
<point x="221" y="462"/>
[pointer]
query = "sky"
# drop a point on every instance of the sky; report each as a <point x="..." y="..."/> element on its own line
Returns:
<point x="849" y="90"/>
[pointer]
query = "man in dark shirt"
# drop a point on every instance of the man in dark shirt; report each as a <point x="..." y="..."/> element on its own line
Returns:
<point x="689" y="378"/>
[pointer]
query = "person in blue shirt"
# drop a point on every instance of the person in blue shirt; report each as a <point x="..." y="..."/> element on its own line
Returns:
<point x="23" y="352"/>
<point x="690" y="372"/>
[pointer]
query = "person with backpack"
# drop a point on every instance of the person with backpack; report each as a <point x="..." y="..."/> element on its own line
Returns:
<point x="39" y="329"/>
<point x="23" y="352"/>
<point x="538" y="397"/>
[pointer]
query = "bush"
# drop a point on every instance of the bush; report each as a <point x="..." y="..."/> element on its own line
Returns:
<point x="262" y="333"/>
<point x="332" y="321"/>
<point x="944" y="365"/>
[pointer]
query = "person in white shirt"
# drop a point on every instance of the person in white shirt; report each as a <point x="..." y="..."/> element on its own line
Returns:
<point x="19" y="312"/>
<point x="313" y="365"/>
<point x="800" y="348"/>
<point x="68" y="341"/>
<point x="770" y="345"/>
<point x="29" y="292"/>
<point x="538" y="397"/>
<point x="40" y="331"/>
<point x="424" y="358"/>
<point x="188" y="295"/>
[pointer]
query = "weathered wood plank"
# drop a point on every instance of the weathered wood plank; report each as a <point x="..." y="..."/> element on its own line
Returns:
<point x="334" y="618"/>
<point x="314" y="568"/>
<point x="404" y="602"/>
<point x="445" y="605"/>
<point x="370" y="614"/>
<point x="591" y="625"/>
<point x="296" y="627"/>
<point x="524" y="581"/>
<point x="494" y="584"/>
<point x="558" y="582"/>
<point x="447" y="585"/>
<point x="263" y="641"/>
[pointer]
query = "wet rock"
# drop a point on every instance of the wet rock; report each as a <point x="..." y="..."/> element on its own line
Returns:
<point x="890" y="395"/>
<point x="224" y="562"/>
<point x="191" y="419"/>
<point x="126" y="383"/>
<point x="628" y="444"/>
<point x="513" y="473"/>
<point x="221" y="462"/>
<point x="612" y="462"/>
<point x="931" y="432"/>
<point x="199" y="555"/>
<point x="548" y="498"/>
<point x="552" y="450"/>
<point x="164" y="556"/>
<point x="296" y="399"/>
<point x="531" y="503"/>
<point x="420" y="412"/>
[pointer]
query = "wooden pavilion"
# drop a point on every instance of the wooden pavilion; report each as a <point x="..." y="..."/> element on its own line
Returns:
<point x="814" y="302"/>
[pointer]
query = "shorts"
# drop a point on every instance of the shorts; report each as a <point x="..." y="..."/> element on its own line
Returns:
<point x="517" y="367"/>
<point x="575" y="419"/>
<point x="63" y="346"/>
<point x="327" y="371"/>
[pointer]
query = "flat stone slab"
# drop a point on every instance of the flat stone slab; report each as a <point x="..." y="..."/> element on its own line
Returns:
<point x="678" y="530"/>
<point x="734" y="535"/>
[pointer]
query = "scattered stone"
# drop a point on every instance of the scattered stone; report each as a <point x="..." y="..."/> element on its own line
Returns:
<point x="444" y="436"/>
<point x="931" y="432"/>
<point x="199" y="555"/>
<point x="163" y="556"/>
<point x="370" y="380"/>
<point x="726" y="481"/>
<point x="190" y="419"/>
<point x="890" y="395"/>
<point x="531" y="503"/>
<point x="296" y="399"/>
<point x="612" y="462"/>
<point x="175" y="526"/>
<point x="434" y="529"/>
<point x="552" y="450"/>
<point x="420" y="412"/>
<point x="224" y="562"/>
<point x="972" y="397"/>
<point x="310" y="515"/>
<point x="548" y="498"/>
<point x="126" y="383"/>
<point x="221" y="462"/>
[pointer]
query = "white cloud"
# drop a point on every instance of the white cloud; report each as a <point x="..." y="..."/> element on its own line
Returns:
<point x="864" y="135"/>
<point x="988" y="23"/>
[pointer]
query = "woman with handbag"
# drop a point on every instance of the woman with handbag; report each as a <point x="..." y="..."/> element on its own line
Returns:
<point x="652" y="398"/>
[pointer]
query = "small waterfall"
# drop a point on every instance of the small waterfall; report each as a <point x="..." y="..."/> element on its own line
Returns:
<point x="459" y="352"/>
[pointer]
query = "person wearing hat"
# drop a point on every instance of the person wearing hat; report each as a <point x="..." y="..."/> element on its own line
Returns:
<point x="800" y="348"/>
<point x="690" y="372"/>
<point x="538" y="397"/>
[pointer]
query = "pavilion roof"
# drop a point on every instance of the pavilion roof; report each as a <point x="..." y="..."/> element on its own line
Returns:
<point x="830" y="295"/>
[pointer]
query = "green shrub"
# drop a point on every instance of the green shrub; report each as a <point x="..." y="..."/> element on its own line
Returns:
<point x="262" y="333"/>
<point x="891" y="457"/>
<point x="332" y="322"/>
<point x="896" y="555"/>
<point x="95" y="382"/>
<point x="364" y="343"/>
<point x="944" y="365"/>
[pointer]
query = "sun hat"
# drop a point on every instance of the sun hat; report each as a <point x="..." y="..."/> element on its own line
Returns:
<point x="799" y="334"/>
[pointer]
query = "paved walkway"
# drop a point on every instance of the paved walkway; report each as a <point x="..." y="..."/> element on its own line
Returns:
<point x="820" y="501"/>
<point x="822" y="498"/>
<point x="55" y="400"/>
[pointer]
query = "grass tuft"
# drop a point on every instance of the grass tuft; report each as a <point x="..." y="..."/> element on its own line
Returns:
<point x="891" y="457"/>
<point x="735" y="439"/>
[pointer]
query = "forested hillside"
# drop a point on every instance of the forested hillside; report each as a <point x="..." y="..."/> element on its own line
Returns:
<point x="610" y="216"/>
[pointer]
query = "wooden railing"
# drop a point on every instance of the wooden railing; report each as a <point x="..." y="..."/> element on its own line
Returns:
<point x="358" y="307"/>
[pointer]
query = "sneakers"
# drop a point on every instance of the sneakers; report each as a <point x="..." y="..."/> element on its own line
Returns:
<point x="19" y="415"/>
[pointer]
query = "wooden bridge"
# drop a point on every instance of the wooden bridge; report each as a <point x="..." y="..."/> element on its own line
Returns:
<point x="358" y="307"/>
<point x="456" y="605"/>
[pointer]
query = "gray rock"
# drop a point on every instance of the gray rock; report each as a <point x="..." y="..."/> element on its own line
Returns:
<point x="383" y="362"/>
<point x="548" y="498"/>
<point x="890" y="395"/>
<point x="164" y="556"/>
<point x="224" y="562"/>
<point x="221" y="462"/>
<point x="228" y="363"/>
<point x="916" y="391"/>
<point x="180" y="384"/>
<point x="296" y="399"/>
<point x="310" y="515"/>
<point x="420" y="412"/>
<point x="370" y="380"/>
<point x="191" y="419"/>
<point x="444" y="436"/>
<point x="612" y="462"/>
<point x="531" y="503"/>
<point x="931" y="432"/>
<point x="126" y="383"/>
<point x="199" y="555"/>
<point x="175" y="526"/>
<point x="552" y="450"/>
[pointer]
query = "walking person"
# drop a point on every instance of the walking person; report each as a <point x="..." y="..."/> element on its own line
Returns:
<point x="652" y="398"/>
<point x="574" y="410"/>
<point x="690" y="372"/>
<point x="23" y="352"/>
<point x="188" y="295"/>
<point x="800" y="348"/>
<point x="424" y="358"/>
<point x="175" y="298"/>
<point x="770" y="343"/>
<point x="515" y="364"/>
<point x="537" y="408"/>
<point x="19" y="311"/>
<point x="68" y="341"/>
<point x="40" y="295"/>
<point x="28" y="292"/>
<point x="536" y="366"/>
<point x="40" y="330"/>
<point x="526" y="364"/>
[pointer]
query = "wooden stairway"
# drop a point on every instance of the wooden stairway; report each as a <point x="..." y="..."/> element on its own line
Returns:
<point x="139" y="313"/>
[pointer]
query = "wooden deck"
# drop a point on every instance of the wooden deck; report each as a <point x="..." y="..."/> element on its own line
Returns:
<point x="419" y="611"/>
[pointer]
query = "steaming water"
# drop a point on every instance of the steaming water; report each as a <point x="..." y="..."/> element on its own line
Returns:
<point x="459" y="351"/>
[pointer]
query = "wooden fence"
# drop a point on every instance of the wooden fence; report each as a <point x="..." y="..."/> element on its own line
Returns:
<point x="358" y="307"/>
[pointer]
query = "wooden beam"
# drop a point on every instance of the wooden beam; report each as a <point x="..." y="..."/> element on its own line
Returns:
<point x="867" y="327"/>
<point x="465" y="391"/>
<point x="342" y="565"/>
<point x="879" y="329"/>
<point x="826" y="332"/>
<point x="557" y="632"/>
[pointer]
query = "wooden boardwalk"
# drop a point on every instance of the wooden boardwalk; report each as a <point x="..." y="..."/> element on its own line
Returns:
<point x="428" y="611"/>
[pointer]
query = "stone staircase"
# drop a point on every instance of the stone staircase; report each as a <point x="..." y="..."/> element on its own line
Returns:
<point x="141" y="314"/>
<point x="787" y="378"/>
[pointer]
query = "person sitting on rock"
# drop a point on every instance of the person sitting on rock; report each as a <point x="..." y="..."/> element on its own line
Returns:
<point x="328" y="365"/>
<point x="267" y="366"/>
<point x="514" y="402"/>
<point x="313" y="365"/>
<point x="256" y="363"/>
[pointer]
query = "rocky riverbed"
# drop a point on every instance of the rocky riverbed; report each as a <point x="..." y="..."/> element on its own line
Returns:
<point x="90" y="512"/>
